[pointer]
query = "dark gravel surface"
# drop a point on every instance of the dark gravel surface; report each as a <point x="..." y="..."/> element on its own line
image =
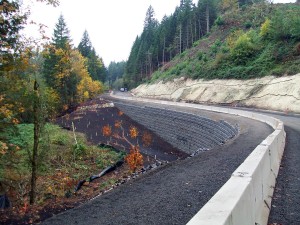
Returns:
<point x="173" y="193"/>
<point x="90" y="118"/>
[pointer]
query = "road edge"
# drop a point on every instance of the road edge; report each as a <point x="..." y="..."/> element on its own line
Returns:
<point x="246" y="197"/>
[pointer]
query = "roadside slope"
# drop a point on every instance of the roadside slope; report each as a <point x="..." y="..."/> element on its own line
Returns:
<point x="281" y="94"/>
<point x="174" y="193"/>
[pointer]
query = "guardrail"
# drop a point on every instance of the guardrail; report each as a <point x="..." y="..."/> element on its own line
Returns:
<point x="246" y="197"/>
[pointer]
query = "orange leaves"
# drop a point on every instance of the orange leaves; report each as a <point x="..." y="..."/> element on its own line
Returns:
<point x="106" y="131"/>
<point x="133" y="132"/>
<point x="15" y="121"/>
<point x="3" y="148"/>
<point x="59" y="183"/>
<point x="134" y="159"/>
<point x="118" y="124"/>
<point x="147" y="139"/>
<point x="65" y="107"/>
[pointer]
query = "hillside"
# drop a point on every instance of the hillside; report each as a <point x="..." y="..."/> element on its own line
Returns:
<point x="256" y="49"/>
<point x="257" y="41"/>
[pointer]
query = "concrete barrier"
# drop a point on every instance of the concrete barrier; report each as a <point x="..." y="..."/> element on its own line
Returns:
<point x="246" y="197"/>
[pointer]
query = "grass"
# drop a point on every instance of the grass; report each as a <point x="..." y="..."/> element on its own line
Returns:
<point x="62" y="163"/>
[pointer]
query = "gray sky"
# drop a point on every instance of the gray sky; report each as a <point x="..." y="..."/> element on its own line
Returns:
<point x="112" y="24"/>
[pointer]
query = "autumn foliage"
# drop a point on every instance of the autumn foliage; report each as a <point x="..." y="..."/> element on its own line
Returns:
<point x="106" y="130"/>
<point x="131" y="136"/>
<point x="134" y="159"/>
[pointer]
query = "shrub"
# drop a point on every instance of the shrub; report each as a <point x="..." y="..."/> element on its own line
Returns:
<point x="244" y="47"/>
<point x="219" y="21"/>
<point x="247" y="24"/>
<point x="265" y="29"/>
<point x="79" y="150"/>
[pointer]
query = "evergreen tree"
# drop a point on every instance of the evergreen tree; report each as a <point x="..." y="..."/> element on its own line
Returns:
<point x="61" y="36"/>
<point x="207" y="15"/>
<point x="57" y="64"/>
<point x="115" y="71"/>
<point x="95" y="64"/>
<point x="85" y="45"/>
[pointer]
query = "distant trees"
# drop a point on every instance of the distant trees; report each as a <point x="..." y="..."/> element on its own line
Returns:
<point x="160" y="42"/>
<point x="95" y="64"/>
<point x="115" y="73"/>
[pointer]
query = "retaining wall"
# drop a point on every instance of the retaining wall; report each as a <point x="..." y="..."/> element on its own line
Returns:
<point x="246" y="197"/>
<point x="193" y="133"/>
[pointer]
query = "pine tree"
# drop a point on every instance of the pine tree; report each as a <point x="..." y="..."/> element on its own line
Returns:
<point x="207" y="15"/>
<point x="95" y="64"/>
<point x="150" y="22"/>
<point x="85" y="45"/>
<point x="57" y="64"/>
<point x="61" y="36"/>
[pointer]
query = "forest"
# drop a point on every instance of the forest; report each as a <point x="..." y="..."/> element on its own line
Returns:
<point x="44" y="78"/>
<point x="238" y="39"/>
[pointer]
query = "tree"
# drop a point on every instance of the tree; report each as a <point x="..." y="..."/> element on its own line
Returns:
<point x="115" y="71"/>
<point x="57" y="64"/>
<point x="85" y="46"/>
<point x="61" y="36"/>
<point x="96" y="67"/>
<point x="95" y="64"/>
<point x="11" y="22"/>
<point x="230" y="5"/>
<point x="207" y="14"/>
<point x="17" y="86"/>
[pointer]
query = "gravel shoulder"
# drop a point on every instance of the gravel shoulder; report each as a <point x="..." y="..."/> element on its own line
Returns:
<point x="286" y="198"/>
<point x="173" y="193"/>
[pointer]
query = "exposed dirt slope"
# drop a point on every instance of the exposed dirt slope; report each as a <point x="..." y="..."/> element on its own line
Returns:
<point x="281" y="94"/>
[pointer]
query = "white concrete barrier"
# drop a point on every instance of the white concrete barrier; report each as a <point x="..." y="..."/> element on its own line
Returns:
<point x="246" y="197"/>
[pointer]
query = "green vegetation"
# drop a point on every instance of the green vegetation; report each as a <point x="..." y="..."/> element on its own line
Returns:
<point x="61" y="165"/>
<point x="115" y="73"/>
<point x="38" y="85"/>
<point x="220" y="39"/>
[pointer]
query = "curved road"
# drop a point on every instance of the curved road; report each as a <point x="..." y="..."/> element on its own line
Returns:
<point x="172" y="194"/>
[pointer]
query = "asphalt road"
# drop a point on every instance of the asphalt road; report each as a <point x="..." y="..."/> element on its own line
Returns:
<point x="173" y="193"/>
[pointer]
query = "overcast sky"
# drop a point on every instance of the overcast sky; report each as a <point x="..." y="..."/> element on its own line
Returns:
<point x="112" y="24"/>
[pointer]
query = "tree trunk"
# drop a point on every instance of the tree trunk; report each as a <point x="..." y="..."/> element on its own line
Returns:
<point x="207" y="18"/>
<point x="35" y="143"/>
<point x="180" y="38"/>
<point x="164" y="50"/>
